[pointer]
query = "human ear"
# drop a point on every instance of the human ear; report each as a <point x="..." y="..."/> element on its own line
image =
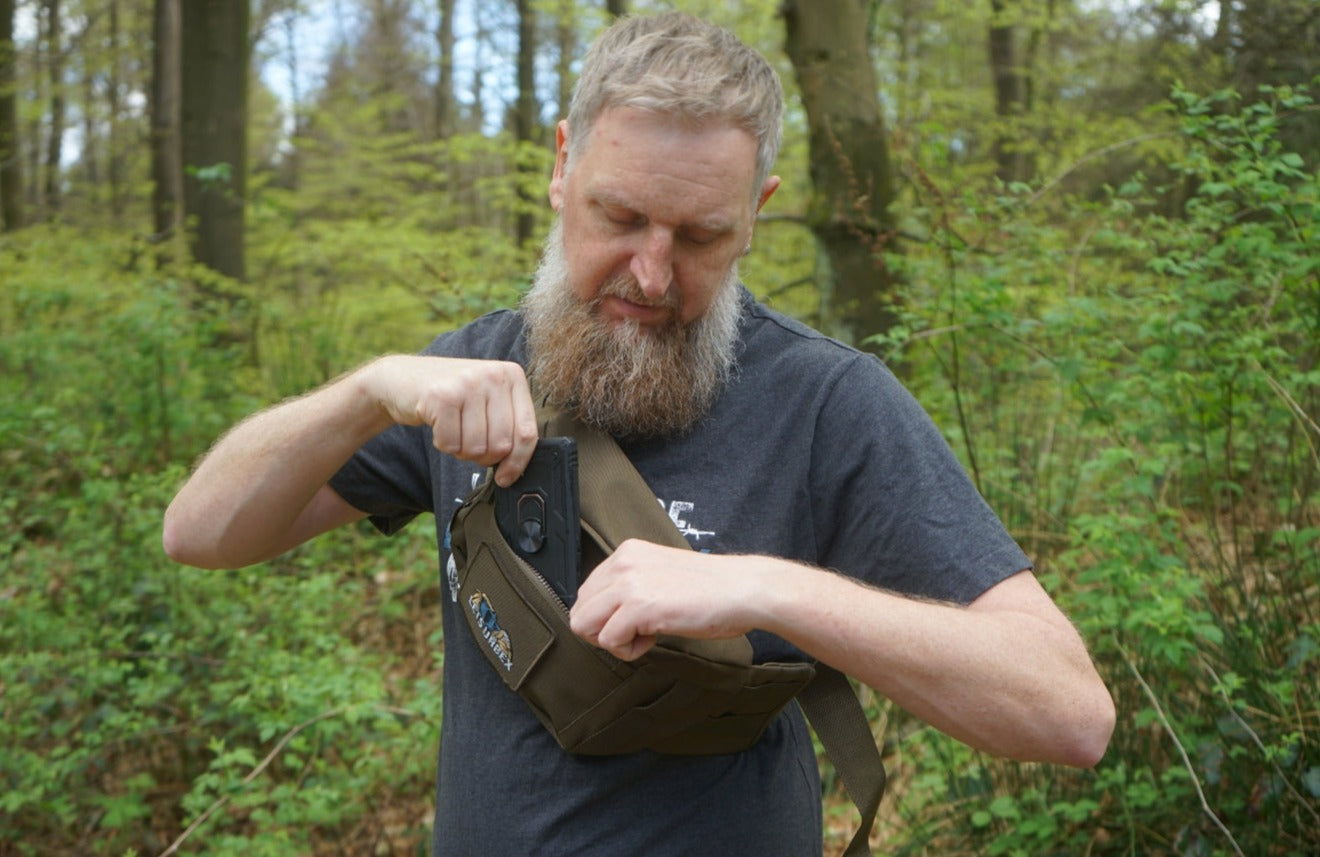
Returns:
<point x="561" y="165"/>
<point x="767" y="190"/>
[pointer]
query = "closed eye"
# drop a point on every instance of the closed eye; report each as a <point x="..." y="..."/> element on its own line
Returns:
<point x="622" y="217"/>
<point x="702" y="237"/>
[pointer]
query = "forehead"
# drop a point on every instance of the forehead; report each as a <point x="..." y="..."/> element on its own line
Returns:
<point x="634" y="157"/>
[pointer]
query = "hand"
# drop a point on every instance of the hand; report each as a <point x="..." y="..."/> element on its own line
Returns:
<point x="643" y="590"/>
<point x="478" y="410"/>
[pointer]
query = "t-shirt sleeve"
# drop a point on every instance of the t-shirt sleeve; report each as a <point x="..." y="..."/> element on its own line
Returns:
<point x="894" y="505"/>
<point x="389" y="478"/>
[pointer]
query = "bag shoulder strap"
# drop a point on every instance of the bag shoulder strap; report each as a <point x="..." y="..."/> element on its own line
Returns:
<point x="837" y="716"/>
<point x="617" y="503"/>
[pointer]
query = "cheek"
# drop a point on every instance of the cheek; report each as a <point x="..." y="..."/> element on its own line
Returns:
<point x="588" y="269"/>
<point x="589" y="263"/>
<point x="697" y="287"/>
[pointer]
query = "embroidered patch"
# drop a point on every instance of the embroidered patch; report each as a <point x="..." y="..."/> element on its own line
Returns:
<point x="451" y="577"/>
<point x="496" y="637"/>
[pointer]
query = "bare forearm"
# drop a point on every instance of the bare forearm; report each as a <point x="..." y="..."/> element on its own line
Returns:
<point x="240" y="504"/>
<point x="1008" y="674"/>
<point x="262" y="489"/>
<point x="1003" y="680"/>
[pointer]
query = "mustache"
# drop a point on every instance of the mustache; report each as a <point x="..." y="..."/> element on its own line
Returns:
<point x="625" y="286"/>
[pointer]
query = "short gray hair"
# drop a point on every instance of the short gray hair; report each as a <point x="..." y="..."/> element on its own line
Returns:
<point x="678" y="65"/>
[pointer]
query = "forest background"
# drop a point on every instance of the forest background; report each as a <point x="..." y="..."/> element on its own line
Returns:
<point x="1084" y="233"/>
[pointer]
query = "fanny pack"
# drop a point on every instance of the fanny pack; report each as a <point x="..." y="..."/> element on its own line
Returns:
<point x="684" y="696"/>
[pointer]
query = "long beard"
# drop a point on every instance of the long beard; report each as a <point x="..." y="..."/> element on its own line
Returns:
<point x="625" y="378"/>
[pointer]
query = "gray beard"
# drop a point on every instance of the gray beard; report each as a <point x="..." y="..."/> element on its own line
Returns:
<point x="625" y="379"/>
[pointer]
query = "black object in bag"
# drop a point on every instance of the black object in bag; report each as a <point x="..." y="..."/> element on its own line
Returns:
<point x="538" y="515"/>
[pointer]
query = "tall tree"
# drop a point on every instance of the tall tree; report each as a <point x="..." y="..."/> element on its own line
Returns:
<point x="480" y="40"/>
<point x="116" y="163"/>
<point x="1276" y="42"/>
<point x="166" y="151"/>
<point x="291" y="164"/>
<point x="566" y="37"/>
<point x="54" y="29"/>
<point x="525" y="119"/>
<point x="213" y="105"/>
<point x="1008" y="69"/>
<point x="852" y="185"/>
<point x="446" y="104"/>
<point x="92" y="145"/>
<point x="11" y="170"/>
<point x="387" y="71"/>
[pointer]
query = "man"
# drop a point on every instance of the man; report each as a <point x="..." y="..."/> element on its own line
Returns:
<point x="778" y="452"/>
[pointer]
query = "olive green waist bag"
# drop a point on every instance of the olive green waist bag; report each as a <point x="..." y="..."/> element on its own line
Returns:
<point x="684" y="696"/>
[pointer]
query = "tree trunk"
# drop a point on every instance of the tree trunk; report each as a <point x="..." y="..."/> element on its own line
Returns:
<point x="525" y="120"/>
<point x="114" y="86"/>
<point x="852" y="186"/>
<point x="11" y="171"/>
<point x="166" y="151"/>
<point x="481" y="36"/>
<point x="1010" y="69"/>
<point x="616" y="8"/>
<point x="566" y="35"/>
<point x="33" y="122"/>
<point x="55" y="141"/>
<point x="291" y="167"/>
<point x="1277" y="43"/>
<point x="92" y="144"/>
<point x="214" y="128"/>
<point x="446" y="105"/>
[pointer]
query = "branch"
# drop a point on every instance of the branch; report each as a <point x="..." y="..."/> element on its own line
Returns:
<point x="1297" y="410"/>
<point x="1187" y="762"/>
<point x="1091" y="156"/>
<point x="1260" y="745"/>
<point x="265" y="763"/>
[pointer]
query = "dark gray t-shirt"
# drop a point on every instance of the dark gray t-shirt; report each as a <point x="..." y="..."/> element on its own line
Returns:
<point x="814" y="452"/>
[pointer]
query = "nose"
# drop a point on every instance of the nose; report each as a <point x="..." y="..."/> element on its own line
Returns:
<point x="653" y="263"/>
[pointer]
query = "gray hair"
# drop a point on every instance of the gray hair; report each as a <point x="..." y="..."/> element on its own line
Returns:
<point x="678" y="65"/>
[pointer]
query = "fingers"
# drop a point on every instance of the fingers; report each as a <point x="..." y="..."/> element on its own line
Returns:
<point x="522" y="433"/>
<point x="643" y="590"/>
<point x="478" y="410"/>
<point x="631" y="650"/>
<point x="492" y="422"/>
<point x="613" y="630"/>
<point x="604" y="610"/>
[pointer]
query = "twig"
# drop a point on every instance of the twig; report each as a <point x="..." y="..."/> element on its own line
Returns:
<point x="1093" y="155"/>
<point x="1298" y="411"/>
<point x="1260" y="745"/>
<point x="252" y="775"/>
<point x="1187" y="762"/>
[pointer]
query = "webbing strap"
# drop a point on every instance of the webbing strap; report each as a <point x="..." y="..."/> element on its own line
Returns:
<point x="617" y="502"/>
<point x="837" y="717"/>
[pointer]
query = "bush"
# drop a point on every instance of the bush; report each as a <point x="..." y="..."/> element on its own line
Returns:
<point x="1136" y="393"/>
<point x="269" y="710"/>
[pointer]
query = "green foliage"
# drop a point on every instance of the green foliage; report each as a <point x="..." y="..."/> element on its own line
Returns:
<point x="1136" y="392"/>
<point x="381" y="242"/>
<point x="140" y="697"/>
